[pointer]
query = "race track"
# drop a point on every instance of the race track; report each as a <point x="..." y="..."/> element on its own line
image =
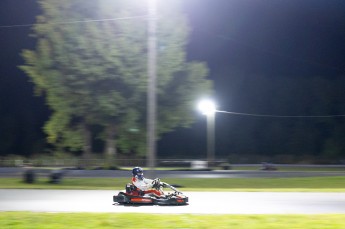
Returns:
<point x="200" y="202"/>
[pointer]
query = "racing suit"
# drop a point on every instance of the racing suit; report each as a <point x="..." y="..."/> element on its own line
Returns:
<point x="145" y="185"/>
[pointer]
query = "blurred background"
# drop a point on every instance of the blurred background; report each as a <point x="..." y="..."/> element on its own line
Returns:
<point x="73" y="80"/>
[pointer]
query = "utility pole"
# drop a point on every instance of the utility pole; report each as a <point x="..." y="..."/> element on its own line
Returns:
<point x="151" y="87"/>
<point x="208" y="108"/>
<point x="210" y="139"/>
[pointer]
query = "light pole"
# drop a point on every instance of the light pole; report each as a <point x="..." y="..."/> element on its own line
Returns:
<point x="208" y="108"/>
<point x="151" y="86"/>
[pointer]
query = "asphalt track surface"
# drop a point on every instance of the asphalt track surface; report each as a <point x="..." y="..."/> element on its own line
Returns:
<point x="199" y="202"/>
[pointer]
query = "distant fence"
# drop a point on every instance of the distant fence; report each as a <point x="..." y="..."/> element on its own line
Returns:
<point x="69" y="162"/>
<point x="100" y="162"/>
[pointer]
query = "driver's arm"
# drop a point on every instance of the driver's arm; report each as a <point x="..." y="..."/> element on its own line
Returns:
<point x="141" y="184"/>
<point x="148" y="182"/>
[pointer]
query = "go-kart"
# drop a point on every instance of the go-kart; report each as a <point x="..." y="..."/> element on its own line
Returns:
<point x="133" y="195"/>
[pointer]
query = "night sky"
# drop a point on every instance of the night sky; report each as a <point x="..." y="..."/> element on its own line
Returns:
<point x="277" y="38"/>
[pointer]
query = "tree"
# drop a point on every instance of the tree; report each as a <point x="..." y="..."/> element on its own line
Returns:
<point x="93" y="72"/>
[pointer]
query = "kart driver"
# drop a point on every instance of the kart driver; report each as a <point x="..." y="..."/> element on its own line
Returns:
<point x="143" y="184"/>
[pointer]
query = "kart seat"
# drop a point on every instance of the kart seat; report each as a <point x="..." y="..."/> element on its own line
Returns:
<point x="133" y="190"/>
<point x="130" y="188"/>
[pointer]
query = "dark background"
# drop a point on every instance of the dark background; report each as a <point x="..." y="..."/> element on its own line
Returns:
<point x="265" y="57"/>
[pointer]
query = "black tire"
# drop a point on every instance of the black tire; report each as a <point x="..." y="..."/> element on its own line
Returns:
<point x="121" y="199"/>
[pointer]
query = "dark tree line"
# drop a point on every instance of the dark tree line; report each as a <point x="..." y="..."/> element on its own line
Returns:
<point x="284" y="138"/>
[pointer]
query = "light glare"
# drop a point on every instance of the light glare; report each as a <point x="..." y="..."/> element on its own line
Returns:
<point x="207" y="107"/>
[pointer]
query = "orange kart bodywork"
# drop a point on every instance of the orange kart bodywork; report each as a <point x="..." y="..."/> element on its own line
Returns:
<point x="135" y="196"/>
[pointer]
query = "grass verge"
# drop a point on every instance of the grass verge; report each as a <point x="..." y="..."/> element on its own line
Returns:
<point x="313" y="184"/>
<point x="23" y="220"/>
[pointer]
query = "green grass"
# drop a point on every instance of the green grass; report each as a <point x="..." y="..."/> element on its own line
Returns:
<point x="26" y="220"/>
<point x="314" y="184"/>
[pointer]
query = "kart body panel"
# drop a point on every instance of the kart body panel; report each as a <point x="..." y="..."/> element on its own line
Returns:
<point x="134" y="196"/>
<point x="124" y="198"/>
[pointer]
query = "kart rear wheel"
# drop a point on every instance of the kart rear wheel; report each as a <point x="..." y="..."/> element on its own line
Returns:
<point x="121" y="199"/>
